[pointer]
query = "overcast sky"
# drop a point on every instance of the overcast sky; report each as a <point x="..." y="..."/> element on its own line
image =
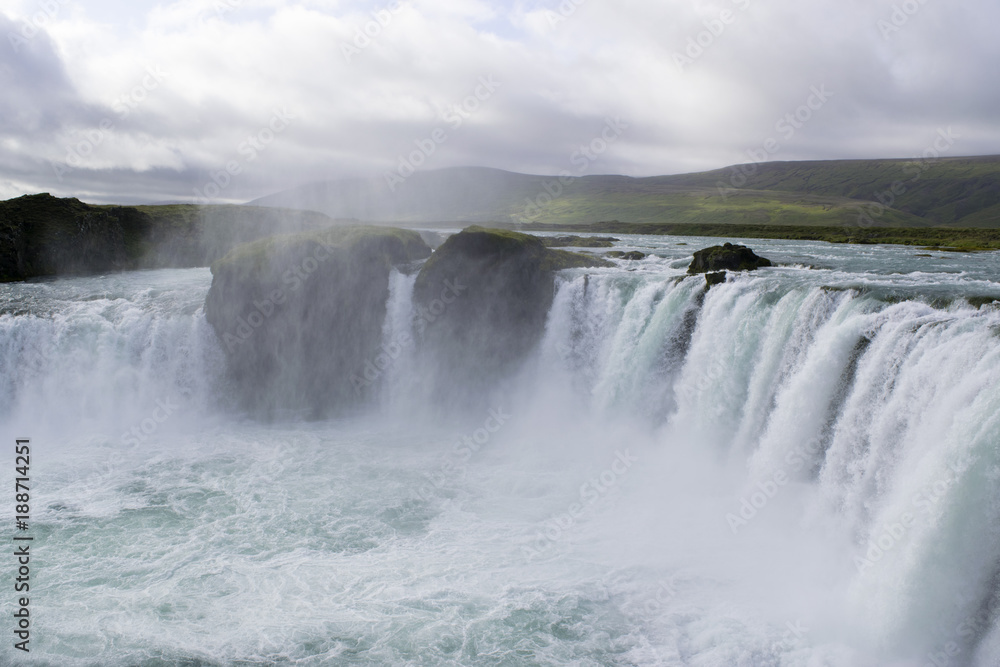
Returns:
<point x="133" y="100"/>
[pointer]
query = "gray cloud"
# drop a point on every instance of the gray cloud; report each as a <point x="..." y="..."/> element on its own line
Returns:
<point x="360" y="101"/>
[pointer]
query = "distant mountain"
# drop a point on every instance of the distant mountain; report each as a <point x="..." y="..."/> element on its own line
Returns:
<point x="956" y="192"/>
<point x="474" y="194"/>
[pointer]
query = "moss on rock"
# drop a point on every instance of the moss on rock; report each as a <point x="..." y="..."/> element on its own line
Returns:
<point x="726" y="257"/>
<point x="300" y="316"/>
<point x="486" y="293"/>
<point x="42" y="235"/>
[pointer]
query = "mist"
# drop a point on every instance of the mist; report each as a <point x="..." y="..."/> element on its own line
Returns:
<point x="789" y="467"/>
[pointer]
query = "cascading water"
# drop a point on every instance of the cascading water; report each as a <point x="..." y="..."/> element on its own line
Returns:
<point x="800" y="466"/>
<point x="95" y="354"/>
<point x="889" y="414"/>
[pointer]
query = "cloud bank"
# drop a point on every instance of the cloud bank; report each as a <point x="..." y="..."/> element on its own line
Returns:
<point x="228" y="100"/>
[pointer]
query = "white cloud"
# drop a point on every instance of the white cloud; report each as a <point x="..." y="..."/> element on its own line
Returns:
<point x="360" y="100"/>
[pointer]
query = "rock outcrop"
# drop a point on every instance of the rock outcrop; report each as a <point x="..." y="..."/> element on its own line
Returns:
<point x="715" y="278"/>
<point x="716" y="260"/>
<point x="300" y="316"/>
<point x="42" y="235"/>
<point x="726" y="257"/>
<point x="483" y="297"/>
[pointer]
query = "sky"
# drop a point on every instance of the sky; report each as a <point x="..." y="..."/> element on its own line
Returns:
<point x="134" y="101"/>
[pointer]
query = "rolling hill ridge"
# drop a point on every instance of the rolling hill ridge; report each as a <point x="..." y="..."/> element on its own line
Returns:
<point x="952" y="192"/>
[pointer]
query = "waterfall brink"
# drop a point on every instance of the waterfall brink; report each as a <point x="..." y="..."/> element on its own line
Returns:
<point x="864" y="424"/>
<point x="103" y="356"/>
<point x="887" y="413"/>
<point x="395" y="364"/>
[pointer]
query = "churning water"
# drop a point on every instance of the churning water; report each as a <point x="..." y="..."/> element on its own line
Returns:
<point x="799" y="467"/>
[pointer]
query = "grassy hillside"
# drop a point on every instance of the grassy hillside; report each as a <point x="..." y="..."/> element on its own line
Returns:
<point x="658" y="204"/>
<point x="957" y="192"/>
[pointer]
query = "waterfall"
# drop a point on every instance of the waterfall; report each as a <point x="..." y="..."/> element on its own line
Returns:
<point x="120" y="358"/>
<point x="840" y="411"/>
<point x="889" y="414"/>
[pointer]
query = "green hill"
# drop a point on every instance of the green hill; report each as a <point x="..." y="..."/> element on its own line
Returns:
<point x="953" y="202"/>
<point x="956" y="192"/>
<point x="959" y="191"/>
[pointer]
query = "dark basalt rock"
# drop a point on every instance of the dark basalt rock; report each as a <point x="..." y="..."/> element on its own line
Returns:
<point x="980" y="301"/>
<point x="715" y="278"/>
<point x="483" y="297"/>
<point x="300" y="316"/>
<point x="42" y="235"/>
<point x="621" y="254"/>
<point x="726" y="257"/>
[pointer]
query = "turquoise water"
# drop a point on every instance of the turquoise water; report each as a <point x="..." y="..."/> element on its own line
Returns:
<point x="676" y="478"/>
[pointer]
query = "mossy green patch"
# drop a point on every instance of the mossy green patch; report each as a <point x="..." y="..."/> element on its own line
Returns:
<point x="726" y="257"/>
<point x="400" y="244"/>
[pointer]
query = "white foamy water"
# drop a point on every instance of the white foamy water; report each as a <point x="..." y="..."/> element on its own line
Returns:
<point x="798" y="467"/>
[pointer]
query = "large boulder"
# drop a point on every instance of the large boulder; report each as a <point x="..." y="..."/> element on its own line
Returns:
<point x="482" y="299"/>
<point x="300" y="315"/>
<point x="726" y="257"/>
